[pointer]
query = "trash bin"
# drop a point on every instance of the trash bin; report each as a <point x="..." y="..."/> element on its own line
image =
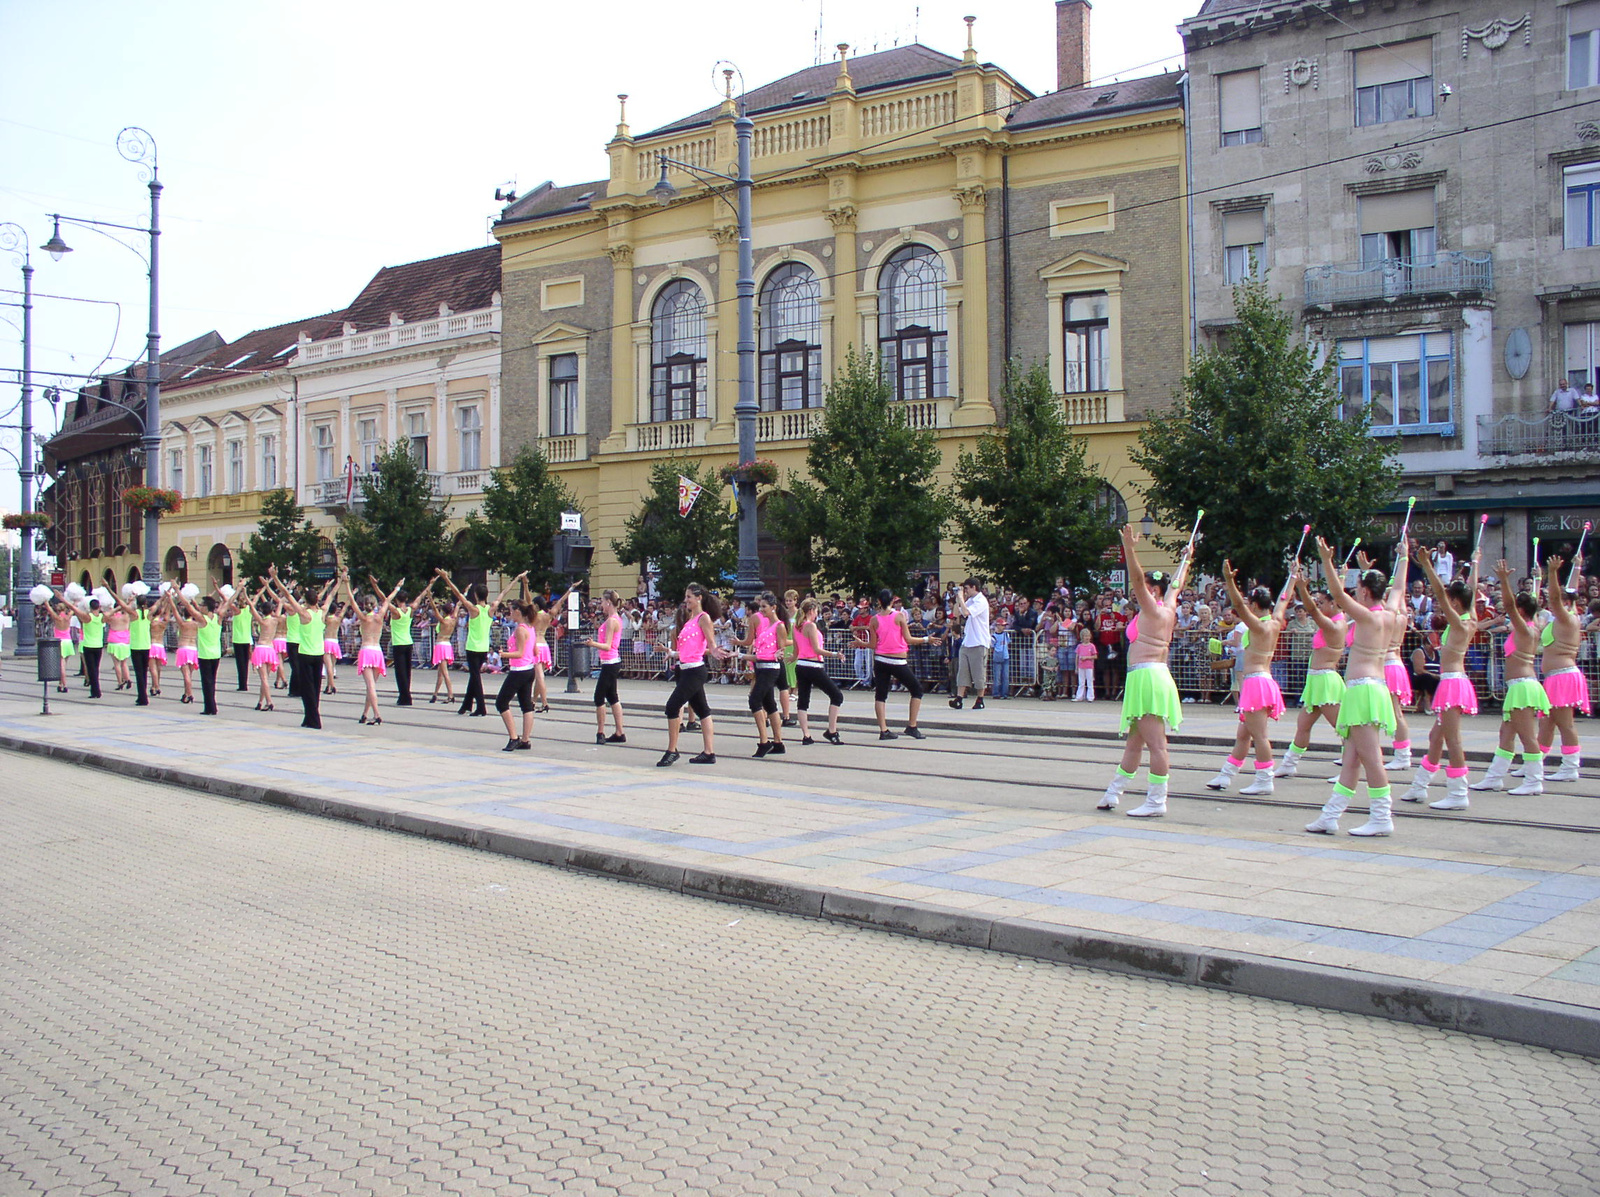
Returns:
<point x="50" y="660"/>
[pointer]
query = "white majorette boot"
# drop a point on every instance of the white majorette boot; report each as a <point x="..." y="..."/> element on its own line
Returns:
<point x="1155" y="801"/>
<point x="1455" y="794"/>
<point x="1224" y="779"/>
<point x="1532" y="778"/>
<point x="1263" y="782"/>
<point x="1380" y="820"/>
<point x="1114" y="791"/>
<point x="1420" y="781"/>
<point x="1401" y="760"/>
<point x="1289" y="766"/>
<point x="1570" y="765"/>
<point x="1328" y="822"/>
<point x="1495" y="778"/>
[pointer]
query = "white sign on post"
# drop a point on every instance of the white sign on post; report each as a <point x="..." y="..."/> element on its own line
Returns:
<point x="571" y="521"/>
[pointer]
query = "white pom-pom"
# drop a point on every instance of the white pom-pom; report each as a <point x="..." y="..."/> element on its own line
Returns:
<point x="103" y="596"/>
<point x="127" y="590"/>
<point x="40" y="595"/>
<point x="225" y="590"/>
<point x="166" y="587"/>
<point x="140" y="589"/>
<point x="190" y="592"/>
<point x="76" y="593"/>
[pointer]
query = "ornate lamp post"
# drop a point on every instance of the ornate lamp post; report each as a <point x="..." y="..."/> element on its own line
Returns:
<point x="139" y="147"/>
<point x="14" y="240"/>
<point x="748" y="581"/>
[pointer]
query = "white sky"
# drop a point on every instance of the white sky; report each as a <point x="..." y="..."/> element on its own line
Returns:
<point x="307" y="143"/>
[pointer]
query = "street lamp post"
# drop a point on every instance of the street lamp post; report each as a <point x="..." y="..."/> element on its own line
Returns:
<point x="138" y="147"/>
<point x="14" y="239"/>
<point x="747" y="583"/>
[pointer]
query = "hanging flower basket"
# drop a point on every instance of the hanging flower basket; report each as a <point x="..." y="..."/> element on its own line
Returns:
<point x="153" y="499"/>
<point x="762" y="470"/>
<point x="27" y="519"/>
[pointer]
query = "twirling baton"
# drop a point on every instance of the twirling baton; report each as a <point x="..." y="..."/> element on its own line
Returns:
<point x="1536" y="573"/>
<point x="1572" y="578"/>
<point x="1304" y="532"/>
<point x="1477" y="543"/>
<point x="1350" y="554"/>
<point x="1198" y="516"/>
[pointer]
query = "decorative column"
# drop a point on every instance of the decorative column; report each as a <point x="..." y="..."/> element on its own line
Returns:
<point x="623" y="386"/>
<point x="842" y="216"/>
<point x="974" y="198"/>
<point x="726" y="391"/>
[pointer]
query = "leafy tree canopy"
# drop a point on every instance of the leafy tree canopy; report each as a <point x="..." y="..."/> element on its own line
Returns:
<point x="522" y="506"/>
<point x="702" y="546"/>
<point x="283" y="537"/>
<point x="401" y="531"/>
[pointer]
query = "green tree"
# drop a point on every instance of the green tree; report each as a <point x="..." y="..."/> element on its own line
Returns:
<point x="1257" y="438"/>
<point x="869" y="513"/>
<point x="700" y="547"/>
<point x="401" y="531"/>
<point x="522" y="506"/>
<point x="283" y="537"/>
<point x="1023" y="504"/>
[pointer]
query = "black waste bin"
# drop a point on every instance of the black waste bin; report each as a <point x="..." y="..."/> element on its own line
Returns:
<point x="50" y="660"/>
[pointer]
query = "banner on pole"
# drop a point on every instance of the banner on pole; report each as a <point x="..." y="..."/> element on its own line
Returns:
<point x="688" y="491"/>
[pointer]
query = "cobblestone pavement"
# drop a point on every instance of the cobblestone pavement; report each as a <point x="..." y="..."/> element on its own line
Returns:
<point x="206" y="997"/>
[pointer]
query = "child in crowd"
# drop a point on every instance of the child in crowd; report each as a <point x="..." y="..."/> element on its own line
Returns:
<point x="1049" y="671"/>
<point x="1086" y="658"/>
<point x="1000" y="654"/>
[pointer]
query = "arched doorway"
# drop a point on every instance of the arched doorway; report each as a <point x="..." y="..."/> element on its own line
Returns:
<point x="86" y="580"/>
<point x="219" y="566"/>
<point x="109" y="579"/>
<point x="776" y="574"/>
<point x="175" y="568"/>
<point x="134" y="574"/>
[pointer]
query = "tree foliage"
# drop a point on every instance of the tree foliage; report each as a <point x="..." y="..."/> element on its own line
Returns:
<point x="702" y="546"/>
<point x="401" y="531"/>
<point x="1257" y="438"/>
<point x="1024" y="504"/>
<point x="522" y="506"/>
<point x="868" y="514"/>
<point x="283" y="537"/>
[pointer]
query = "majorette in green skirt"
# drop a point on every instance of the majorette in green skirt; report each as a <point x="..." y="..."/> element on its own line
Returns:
<point x="1323" y="688"/>
<point x="1150" y="690"/>
<point x="1523" y="693"/>
<point x="1366" y="701"/>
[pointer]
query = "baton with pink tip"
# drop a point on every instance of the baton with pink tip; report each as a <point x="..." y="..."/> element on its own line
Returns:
<point x="1304" y="532"/>
<point x="1477" y="542"/>
<point x="1572" y="578"/>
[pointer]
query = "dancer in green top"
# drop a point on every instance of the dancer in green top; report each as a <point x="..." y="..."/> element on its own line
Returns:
<point x="94" y="641"/>
<point x="311" y="623"/>
<point x="242" y="632"/>
<point x="401" y="611"/>
<point x="480" y="615"/>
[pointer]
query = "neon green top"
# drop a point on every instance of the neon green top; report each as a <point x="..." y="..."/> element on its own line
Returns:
<point x="400" y="629"/>
<point x="139" y="633"/>
<point x="478" y="630"/>
<point x="291" y="631"/>
<point x="208" y="640"/>
<point x="311" y="636"/>
<point x="241" y="626"/>
<point x="94" y="632"/>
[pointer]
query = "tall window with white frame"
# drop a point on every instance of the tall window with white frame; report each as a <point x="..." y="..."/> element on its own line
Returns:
<point x="236" y="467"/>
<point x="1394" y="83"/>
<point x="1244" y="244"/>
<point x="175" y="469"/>
<point x="1239" y="106"/>
<point x="913" y="328"/>
<point x="1582" y="345"/>
<point x="1086" y="341"/>
<point x="1398" y="237"/>
<point x="562" y="379"/>
<point x="469" y="430"/>
<point x="1583" y="44"/>
<point x="367" y="442"/>
<point x="203" y="468"/>
<point x="1407" y="382"/>
<point x="678" y="353"/>
<point x="791" y="339"/>
<point x="322" y="447"/>
<point x="417" y="437"/>
<point x="1581" y="185"/>
<point x="269" y="461"/>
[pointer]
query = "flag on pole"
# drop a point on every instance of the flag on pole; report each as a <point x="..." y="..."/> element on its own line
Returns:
<point x="349" y="480"/>
<point x="688" y="491"/>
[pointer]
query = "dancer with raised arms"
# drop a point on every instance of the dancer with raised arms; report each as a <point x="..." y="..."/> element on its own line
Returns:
<point x="369" y="660"/>
<point x="61" y="613"/>
<point x="1525" y="702"/>
<point x="545" y="614"/>
<point x="1395" y="674"/>
<point x="188" y="621"/>
<point x="1564" y="683"/>
<point x="1324" y="688"/>
<point x="889" y="637"/>
<point x="1260" y="699"/>
<point x="811" y="673"/>
<point x="1456" y="695"/>
<point x="242" y="631"/>
<point x="311" y="625"/>
<point x="119" y="640"/>
<point x="400" y="640"/>
<point x="480" y="615"/>
<point x="607" y="642"/>
<point x="1150" y="703"/>
<point x="444" y="649"/>
<point x="696" y="619"/>
<point x="267" y="658"/>
<point x="140" y="626"/>
<point x="1367" y="711"/>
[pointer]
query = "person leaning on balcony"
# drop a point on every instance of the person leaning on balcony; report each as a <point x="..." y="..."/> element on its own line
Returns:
<point x="1564" y="403"/>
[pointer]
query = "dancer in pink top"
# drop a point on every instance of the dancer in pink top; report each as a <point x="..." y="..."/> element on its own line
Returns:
<point x="521" y="656"/>
<point x="1260" y="700"/>
<point x="608" y="643"/>
<point x="700" y="608"/>
<point x="767" y="636"/>
<point x="889" y="636"/>
<point x="369" y="661"/>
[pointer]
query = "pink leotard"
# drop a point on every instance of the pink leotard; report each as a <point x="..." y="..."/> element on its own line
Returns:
<point x="530" y="651"/>
<point x="691" y="644"/>
<point x="766" y="639"/>
<point x="891" y="639"/>
<point x="805" y="648"/>
<point x="1318" y="641"/>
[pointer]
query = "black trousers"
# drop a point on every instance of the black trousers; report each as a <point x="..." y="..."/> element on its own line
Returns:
<point x="91" y="669"/>
<point x="518" y="684"/>
<point x="139" y="659"/>
<point x="208" y="684"/>
<point x="241" y="662"/>
<point x="402" y="674"/>
<point x="474" y="694"/>
<point x="762" y="697"/>
<point x="309" y="676"/>
<point x="690" y="690"/>
<point x="808" y="677"/>
<point x="292" y="660"/>
<point x="887" y="674"/>
<point x="605" y="689"/>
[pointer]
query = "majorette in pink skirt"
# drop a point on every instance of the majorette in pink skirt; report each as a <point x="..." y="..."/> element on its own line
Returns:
<point x="1398" y="678"/>
<point x="444" y="654"/>
<point x="265" y="655"/>
<point x="1456" y="692"/>
<point x="1568" y="688"/>
<point x="1259" y="692"/>
<point x="372" y="658"/>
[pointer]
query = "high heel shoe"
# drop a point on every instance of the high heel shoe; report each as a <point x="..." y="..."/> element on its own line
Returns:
<point x="376" y="719"/>
<point x="362" y="720"/>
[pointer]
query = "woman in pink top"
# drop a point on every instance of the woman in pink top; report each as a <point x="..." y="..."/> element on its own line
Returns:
<point x="700" y="608"/>
<point x="521" y="654"/>
<point x="810" y="672"/>
<point x="608" y="642"/>
<point x="767" y="636"/>
<point x="889" y="636"/>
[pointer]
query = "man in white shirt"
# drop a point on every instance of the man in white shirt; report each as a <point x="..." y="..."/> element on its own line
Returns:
<point x="1564" y="403"/>
<point x="972" y="666"/>
<point x="1444" y="562"/>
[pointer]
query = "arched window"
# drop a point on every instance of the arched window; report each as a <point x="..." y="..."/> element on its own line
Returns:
<point x="1108" y="501"/>
<point x="791" y="336"/>
<point x="912" y="331"/>
<point x="678" y="353"/>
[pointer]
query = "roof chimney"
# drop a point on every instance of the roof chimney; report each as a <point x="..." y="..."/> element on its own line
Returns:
<point x="1072" y="43"/>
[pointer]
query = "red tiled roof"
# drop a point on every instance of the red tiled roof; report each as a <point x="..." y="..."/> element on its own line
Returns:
<point x="1090" y="103"/>
<point x="464" y="281"/>
<point x="254" y="352"/>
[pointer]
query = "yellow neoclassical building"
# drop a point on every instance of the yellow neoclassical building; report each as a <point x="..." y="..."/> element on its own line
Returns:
<point x="927" y="208"/>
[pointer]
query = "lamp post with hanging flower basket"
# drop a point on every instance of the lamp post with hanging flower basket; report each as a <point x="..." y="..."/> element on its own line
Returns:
<point x="26" y="520"/>
<point x="762" y="471"/>
<point x="152" y="500"/>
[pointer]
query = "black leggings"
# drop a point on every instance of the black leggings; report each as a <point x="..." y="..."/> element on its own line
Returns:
<point x="605" y="689"/>
<point x="518" y="682"/>
<point x="762" y="696"/>
<point x="310" y="678"/>
<point x="475" y="663"/>
<point x="808" y="677"/>
<point x="139" y="659"/>
<point x="886" y="673"/>
<point x="208" y="684"/>
<point x="91" y="669"/>
<point x="402" y="673"/>
<point x="292" y="658"/>
<point x="241" y="662"/>
<point x="691" y="690"/>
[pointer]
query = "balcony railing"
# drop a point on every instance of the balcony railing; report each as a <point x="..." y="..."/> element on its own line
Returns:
<point x="1441" y="274"/>
<point x="1092" y="408"/>
<point x="331" y="493"/>
<point x="1551" y="435"/>
<point x="558" y="449"/>
<point x="399" y="336"/>
<point x="787" y="425"/>
<point x="667" y="436"/>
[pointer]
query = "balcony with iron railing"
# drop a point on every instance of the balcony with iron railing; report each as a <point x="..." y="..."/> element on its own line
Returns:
<point x="1560" y="436"/>
<point x="1447" y="274"/>
<point x="331" y="494"/>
